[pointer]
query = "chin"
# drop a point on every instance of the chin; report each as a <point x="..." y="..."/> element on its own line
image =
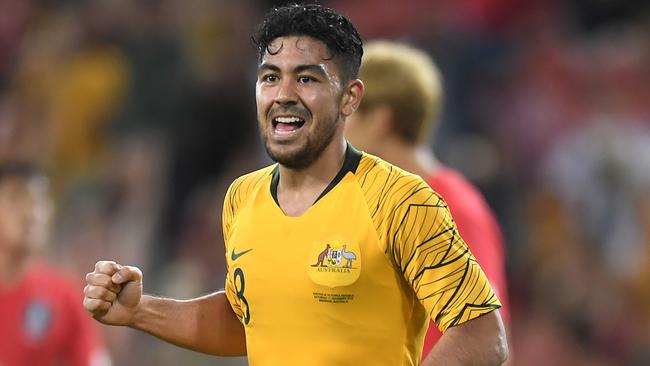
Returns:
<point x="293" y="158"/>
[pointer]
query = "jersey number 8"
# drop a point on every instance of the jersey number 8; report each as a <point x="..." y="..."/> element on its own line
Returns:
<point x="240" y="293"/>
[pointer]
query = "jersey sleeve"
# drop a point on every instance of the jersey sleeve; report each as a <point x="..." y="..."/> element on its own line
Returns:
<point x="480" y="230"/>
<point x="235" y="302"/>
<point x="435" y="261"/>
<point x="236" y="197"/>
<point x="228" y="212"/>
<point x="230" y="204"/>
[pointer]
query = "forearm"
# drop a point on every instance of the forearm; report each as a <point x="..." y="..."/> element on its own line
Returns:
<point x="205" y="324"/>
<point x="479" y="342"/>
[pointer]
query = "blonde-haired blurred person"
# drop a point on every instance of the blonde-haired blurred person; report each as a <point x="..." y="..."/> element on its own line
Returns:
<point x="41" y="320"/>
<point x="402" y="104"/>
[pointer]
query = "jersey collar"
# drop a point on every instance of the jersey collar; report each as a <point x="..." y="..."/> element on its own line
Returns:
<point x="350" y="164"/>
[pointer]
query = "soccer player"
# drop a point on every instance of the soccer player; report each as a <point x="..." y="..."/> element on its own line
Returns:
<point x="335" y="257"/>
<point x="41" y="320"/>
<point x="402" y="101"/>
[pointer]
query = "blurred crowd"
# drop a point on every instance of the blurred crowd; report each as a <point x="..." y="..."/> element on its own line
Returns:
<point x="142" y="112"/>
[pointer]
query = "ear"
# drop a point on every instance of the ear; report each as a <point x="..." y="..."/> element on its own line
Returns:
<point x="351" y="97"/>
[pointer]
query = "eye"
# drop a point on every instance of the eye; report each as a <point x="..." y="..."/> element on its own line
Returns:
<point x="304" y="79"/>
<point x="270" y="78"/>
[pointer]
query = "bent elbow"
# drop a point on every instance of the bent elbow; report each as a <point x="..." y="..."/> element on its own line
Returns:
<point x="501" y="350"/>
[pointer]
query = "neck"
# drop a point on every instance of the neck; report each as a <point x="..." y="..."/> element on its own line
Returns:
<point x="417" y="159"/>
<point x="323" y="169"/>
<point x="12" y="267"/>
<point x="299" y="188"/>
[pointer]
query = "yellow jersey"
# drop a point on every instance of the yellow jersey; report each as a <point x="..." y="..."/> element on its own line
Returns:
<point x="355" y="279"/>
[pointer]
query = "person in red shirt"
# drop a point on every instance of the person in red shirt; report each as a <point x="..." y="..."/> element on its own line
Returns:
<point x="42" y="320"/>
<point x="403" y="98"/>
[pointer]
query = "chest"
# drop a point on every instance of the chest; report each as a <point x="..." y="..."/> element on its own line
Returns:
<point x="329" y="256"/>
<point x="327" y="245"/>
<point x="32" y="326"/>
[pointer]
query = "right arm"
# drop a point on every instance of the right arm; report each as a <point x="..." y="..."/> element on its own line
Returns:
<point x="206" y="324"/>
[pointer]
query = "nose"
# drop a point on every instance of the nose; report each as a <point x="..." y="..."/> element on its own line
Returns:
<point x="286" y="94"/>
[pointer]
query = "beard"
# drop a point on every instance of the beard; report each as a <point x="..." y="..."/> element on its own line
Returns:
<point x="310" y="150"/>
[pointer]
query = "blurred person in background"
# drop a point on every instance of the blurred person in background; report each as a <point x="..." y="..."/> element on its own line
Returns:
<point x="41" y="320"/>
<point x="401" y="106"/>
<point x="289" y="223"/>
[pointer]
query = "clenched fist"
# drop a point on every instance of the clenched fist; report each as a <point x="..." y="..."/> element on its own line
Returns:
<point x="113" y="293"/>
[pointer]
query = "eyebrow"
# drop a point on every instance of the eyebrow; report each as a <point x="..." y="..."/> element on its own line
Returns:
<point x="269" y="67"/>
<point x="310" y="67"/>
<point x="298" y="69"/>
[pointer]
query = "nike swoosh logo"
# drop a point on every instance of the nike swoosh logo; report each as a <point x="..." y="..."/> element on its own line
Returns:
<point x="234" y="255"/>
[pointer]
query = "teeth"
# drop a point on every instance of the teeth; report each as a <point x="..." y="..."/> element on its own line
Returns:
<point x="288" y="119"/>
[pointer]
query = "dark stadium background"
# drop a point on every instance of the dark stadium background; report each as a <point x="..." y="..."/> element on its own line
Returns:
<point x="143" y="112"/>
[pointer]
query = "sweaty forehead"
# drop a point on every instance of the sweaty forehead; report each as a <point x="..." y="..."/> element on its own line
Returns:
<point x="302" y="46"/>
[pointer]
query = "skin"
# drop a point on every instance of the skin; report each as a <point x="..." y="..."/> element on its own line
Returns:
<point x="113" y="296"/>
<point x="24" y="213"/>
<point x="301" y="79"/>
<point x="478" y="342"/>
<point x="298" y="78"/>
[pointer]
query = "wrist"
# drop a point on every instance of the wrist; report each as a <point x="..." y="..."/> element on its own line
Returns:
<point x="142" y="313"/>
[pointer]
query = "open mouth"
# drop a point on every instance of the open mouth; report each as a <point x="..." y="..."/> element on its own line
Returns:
<point x="286" y="125"/>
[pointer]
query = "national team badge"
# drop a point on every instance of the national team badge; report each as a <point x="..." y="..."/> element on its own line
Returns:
<point x="334" y="263"/>
<point x="37" y="320"/>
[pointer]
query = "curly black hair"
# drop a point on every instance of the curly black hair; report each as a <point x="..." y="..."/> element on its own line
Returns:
<point x="319" y="22"/>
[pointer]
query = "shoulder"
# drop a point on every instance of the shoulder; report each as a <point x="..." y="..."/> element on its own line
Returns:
<point x="45" y="273"/>
<point x="388" y="186"/>
<point x="375" y="172"/>
<point x="52" y="282"/>
<point x="242" y="187"/>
